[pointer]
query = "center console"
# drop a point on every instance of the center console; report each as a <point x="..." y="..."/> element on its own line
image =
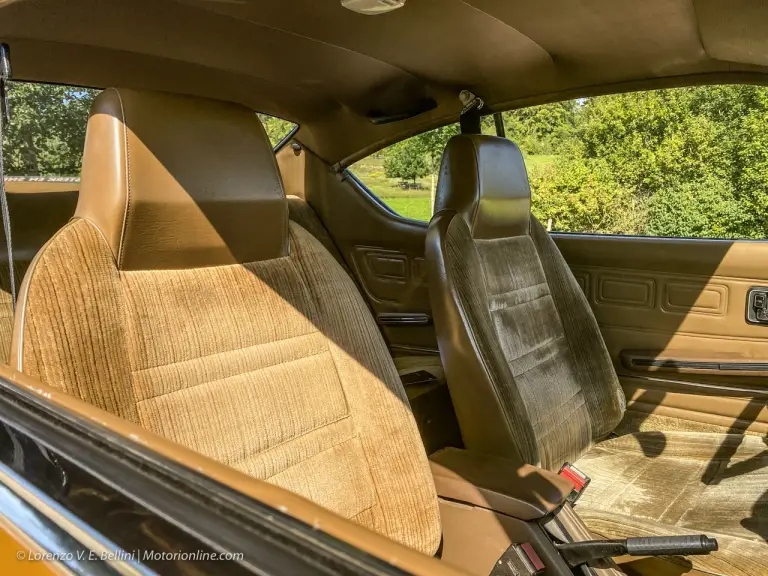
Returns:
<point x="501" y="518"/>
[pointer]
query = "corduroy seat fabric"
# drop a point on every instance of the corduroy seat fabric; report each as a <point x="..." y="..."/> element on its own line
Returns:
<point x="181" y="298"/>
<point x="531" y="378"/>
<point x="36" y="216"/>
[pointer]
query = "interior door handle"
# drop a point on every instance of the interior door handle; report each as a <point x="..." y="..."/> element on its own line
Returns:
<point x="403" y="319"/>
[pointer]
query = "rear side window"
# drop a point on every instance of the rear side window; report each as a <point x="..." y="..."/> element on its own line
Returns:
<point x="404" y="175"/>
<point x="277" y="129"/>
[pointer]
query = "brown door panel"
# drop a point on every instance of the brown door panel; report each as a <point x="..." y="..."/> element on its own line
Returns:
<point x="673" y="315"/>
<point x="647" y="397"/>
<point x="384" y="251"/>
<point x="672" y="303"/>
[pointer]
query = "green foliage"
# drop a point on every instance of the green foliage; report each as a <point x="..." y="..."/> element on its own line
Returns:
<point x="580" y="195"/>
<point x="47" y="129"/>
<point x="418" y="156"/>
<point x="708" y="209"/>
<point x="681" y="162"/>
<point x="276" y="128"/>
<point x="406" y="161"/>
<point x="542" y="129"/>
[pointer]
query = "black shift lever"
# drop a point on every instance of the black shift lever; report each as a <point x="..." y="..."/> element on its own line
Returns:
<point x="578" y="553"/>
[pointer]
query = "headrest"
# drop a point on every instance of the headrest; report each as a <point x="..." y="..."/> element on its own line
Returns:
<point x="483" y="179"/>
<point x="179" y="182"/>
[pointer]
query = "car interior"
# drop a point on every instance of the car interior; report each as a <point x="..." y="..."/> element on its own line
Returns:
<point x="469" y="395"/>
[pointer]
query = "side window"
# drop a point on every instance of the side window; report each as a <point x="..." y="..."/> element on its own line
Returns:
<point x="404" y="175"/>
<point x="47" y="130"/>
<point x="683" y="162"/>
<point x="277" y="129"/>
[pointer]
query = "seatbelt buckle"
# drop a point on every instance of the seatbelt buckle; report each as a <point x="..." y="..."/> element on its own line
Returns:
<point x="577" y="478"/>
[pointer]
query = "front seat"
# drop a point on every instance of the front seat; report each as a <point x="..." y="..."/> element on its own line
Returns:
<point x="181" y="298"/>
<point x="531" y="379"/>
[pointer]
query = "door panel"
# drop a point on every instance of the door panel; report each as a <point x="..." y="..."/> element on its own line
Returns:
<point x="384" y="251"/>
<point x="673" y="315"/>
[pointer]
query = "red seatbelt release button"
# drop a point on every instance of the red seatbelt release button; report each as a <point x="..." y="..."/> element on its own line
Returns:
<point x="576" y="477"/>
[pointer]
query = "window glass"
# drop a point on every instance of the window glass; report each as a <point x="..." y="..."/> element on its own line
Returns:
<point x="277" y="129"/>
<point x="47" y="130"/>
<point x="404" y="175"/>
<point x="685" y="162"/>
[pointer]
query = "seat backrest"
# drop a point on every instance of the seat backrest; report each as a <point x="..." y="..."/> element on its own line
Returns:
<point x="526" y="364"/>
<point x="303" y="214"/>
<point x="36" y="214"/>
<point x="181" y="298"/>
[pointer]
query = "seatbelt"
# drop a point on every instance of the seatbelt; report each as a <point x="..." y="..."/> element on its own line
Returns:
<point x="469" y="121"/>
<point x="5" y="117"/>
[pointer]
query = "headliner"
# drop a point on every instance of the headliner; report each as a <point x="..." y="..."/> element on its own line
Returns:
<point x="324" y="67"/>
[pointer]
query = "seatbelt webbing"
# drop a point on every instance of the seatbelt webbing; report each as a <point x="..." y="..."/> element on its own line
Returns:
<point x="5" y="116"/>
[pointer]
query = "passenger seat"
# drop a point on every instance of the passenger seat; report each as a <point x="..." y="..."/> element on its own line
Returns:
<point x="181" y="298"/>
<point x="532" y="381"/>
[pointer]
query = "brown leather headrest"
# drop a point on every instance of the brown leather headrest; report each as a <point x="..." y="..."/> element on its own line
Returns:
<point x="179" y="182"/>
<point x="483" y="179"/>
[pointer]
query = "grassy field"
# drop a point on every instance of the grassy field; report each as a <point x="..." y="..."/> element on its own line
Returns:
<point x="409" y="203"/>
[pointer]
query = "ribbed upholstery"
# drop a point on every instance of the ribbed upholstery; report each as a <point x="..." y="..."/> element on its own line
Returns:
<point x="301" y="213"/>
<point x="519" y="313"/>
<point x="275" y="368"/>
<point x="6" y="306"/>
<point x="655" y="483"/>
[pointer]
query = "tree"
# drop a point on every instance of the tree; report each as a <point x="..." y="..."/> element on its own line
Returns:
<point x="47" y="129"/>
<point x="542" y="129"/>
<point x="406" y="160"/>
<point x="419" y="156"/>
<point x="680" y="162"/>
<point x="433" y="144"/>
<point x="699" y="210"/>
<point x="581" y="195"/>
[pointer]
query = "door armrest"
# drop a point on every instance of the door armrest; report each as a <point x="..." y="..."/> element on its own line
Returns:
<point x="518" y="490"/>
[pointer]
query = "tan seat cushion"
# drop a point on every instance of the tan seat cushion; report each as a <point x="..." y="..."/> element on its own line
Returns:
<point x="655" y="483"/>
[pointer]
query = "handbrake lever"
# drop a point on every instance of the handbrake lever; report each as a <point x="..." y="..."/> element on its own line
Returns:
<point x="578" y="553"/>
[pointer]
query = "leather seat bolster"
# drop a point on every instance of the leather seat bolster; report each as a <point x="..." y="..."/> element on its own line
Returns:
<point x="518" y="490"/>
